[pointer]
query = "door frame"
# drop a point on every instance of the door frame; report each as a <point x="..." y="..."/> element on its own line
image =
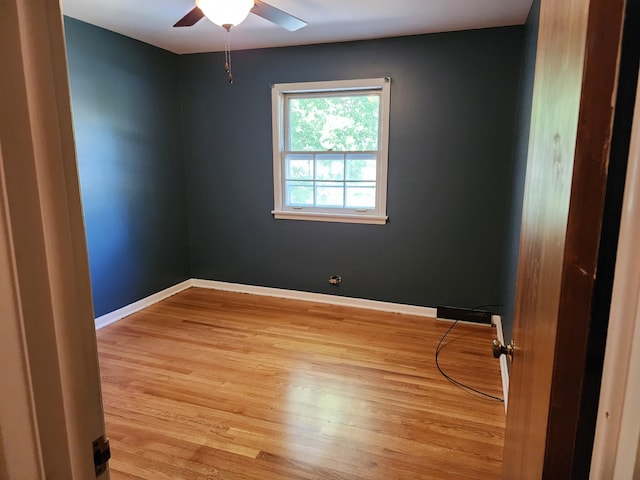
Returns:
<point x="617" y="435"/>
<point x="50" y="361"/>
<point x="19" y="444"/>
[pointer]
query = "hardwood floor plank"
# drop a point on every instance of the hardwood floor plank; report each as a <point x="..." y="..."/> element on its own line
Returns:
<point x="220" y="385"/>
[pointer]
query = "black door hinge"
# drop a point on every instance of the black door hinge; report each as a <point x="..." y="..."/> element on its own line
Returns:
<point x="101" y="455"/>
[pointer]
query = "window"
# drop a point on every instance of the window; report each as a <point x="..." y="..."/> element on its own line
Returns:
<point x="330" y="150"/>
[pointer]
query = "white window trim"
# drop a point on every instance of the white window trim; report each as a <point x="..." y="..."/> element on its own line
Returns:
<point x="375" y="216"/>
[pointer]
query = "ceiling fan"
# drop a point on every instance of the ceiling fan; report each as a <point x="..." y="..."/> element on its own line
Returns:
<point x="229" y="13"/>
<point x="224" y="11"/>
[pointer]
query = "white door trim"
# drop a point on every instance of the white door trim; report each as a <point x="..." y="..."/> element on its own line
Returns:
<point x="618" y="423"/>
<point x="46" y="284"/>
<point x="19" y="439"/>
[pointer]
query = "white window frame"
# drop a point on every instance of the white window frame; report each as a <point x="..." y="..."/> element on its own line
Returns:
<point x="279" y="93"/>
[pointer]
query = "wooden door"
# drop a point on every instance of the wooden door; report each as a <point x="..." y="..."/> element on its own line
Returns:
<point x="575" y="81"/>
<point x="50" y="364"/>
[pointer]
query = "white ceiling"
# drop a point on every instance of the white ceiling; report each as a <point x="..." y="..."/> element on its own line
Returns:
<point x="329" y="21"/>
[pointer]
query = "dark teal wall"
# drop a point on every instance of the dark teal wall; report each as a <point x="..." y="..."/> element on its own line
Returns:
<point x="126" y="115"/>
<point x="520" y="164"/>
<point x="454" y="102"/>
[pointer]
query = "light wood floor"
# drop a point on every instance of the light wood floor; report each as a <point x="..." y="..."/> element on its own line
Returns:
<point x="216" y="385"/>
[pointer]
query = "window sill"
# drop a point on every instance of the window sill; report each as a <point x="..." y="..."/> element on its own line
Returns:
<point x="329" y="217"/>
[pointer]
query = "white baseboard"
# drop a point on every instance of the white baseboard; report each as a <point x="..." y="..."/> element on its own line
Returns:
<point x="504" y="367"/>
<point x="116" y="315"/>
<point x="318" y="297"/>
<point x="127" y="310"/>
<point x="430" y="312"/>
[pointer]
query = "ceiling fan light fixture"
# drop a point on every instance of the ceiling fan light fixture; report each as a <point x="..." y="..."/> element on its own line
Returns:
<point x="226" y="13"/>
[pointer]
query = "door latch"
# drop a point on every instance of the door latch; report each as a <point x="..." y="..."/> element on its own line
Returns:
<point x="500" y="349"/>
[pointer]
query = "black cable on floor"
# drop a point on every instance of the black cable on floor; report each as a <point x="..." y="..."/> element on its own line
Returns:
<point x="452" y="380"/>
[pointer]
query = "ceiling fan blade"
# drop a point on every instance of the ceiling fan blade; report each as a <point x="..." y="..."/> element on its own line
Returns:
<point x="277" y="16"/>
<point x="191" y="18"/>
